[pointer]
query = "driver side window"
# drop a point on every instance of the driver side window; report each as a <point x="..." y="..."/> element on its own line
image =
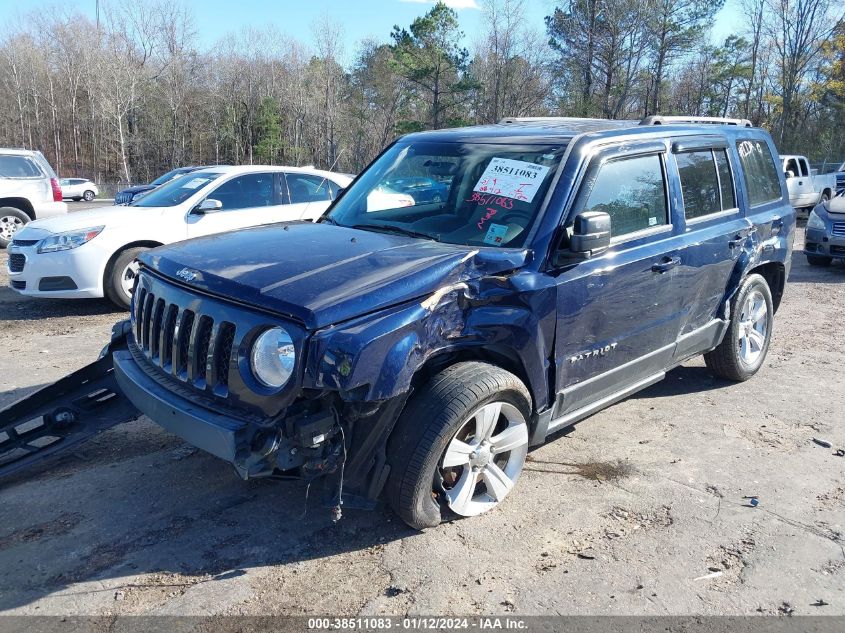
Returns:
<point x="633" y="192"/>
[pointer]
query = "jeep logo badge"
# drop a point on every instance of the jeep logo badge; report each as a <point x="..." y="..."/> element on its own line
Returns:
<point x="187" y="274"/>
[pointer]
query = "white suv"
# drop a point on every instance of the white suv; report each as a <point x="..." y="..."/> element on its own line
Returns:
<point x="29" y="190"/>
<point x="92" y="253"/>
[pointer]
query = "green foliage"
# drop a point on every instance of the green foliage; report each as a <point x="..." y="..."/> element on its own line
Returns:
<point x="268" y="126"/>
<point x="430" y="58"/>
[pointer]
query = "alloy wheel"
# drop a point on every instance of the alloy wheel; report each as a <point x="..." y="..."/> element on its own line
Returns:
<point x="753" y="327"/>
<point x="9" y="225"/>
<point x="484" y="459"/>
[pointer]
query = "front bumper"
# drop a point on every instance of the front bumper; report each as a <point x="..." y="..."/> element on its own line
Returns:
<point x="72" y="274"/>
<point x="214" y="433"/>
<point x="822" y="243"/>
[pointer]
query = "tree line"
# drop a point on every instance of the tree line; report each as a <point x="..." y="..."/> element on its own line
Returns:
<point x="132" y="94"/>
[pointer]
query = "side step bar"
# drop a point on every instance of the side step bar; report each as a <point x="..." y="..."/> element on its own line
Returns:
<point x="65" y="413"/>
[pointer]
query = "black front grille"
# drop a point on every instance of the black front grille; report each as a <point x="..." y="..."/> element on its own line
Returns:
<point x="839" y="228"/>
<point x="24" y="242"/>
<point x="16" y="262"/>
<point x="837" y="250"/>
<point x="190" y="347"/>
<point x="18" y="285"/>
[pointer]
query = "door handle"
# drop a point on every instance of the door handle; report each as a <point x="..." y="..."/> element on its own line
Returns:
<point x="800" y="182"/>
<point x="666" y="264"/>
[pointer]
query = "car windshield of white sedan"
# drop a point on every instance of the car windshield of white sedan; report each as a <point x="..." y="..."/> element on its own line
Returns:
<point x="477" y="194"/>
<point x="177" y="191"/>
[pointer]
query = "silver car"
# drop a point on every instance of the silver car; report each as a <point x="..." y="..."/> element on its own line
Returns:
<point x="78" y="189"/>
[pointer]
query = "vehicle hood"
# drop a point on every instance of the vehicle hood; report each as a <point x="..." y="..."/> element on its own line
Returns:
<point x="110" y="217"/>
<point x="321" y="274"/>
<point x="136" y="189"/>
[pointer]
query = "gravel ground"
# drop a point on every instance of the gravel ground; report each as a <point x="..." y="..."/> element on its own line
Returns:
<point x="642" y="509"/>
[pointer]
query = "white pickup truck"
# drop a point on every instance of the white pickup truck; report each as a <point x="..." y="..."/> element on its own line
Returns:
<point x="806" y="186"/>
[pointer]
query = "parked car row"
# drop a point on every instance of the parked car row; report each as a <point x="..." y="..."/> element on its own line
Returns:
<point x="92" y="253"/>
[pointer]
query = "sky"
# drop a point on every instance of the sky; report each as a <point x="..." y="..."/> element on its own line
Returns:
<point x="361" y="19"/>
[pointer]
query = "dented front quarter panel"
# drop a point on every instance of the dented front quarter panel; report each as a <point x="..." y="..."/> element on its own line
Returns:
<point x="375" y="357"/>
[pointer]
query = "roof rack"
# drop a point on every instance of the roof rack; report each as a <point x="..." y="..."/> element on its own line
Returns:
<point x="712" y="120"/>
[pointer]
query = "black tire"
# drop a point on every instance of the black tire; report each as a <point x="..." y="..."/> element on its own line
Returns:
<point x="88" y="195"/>
<point x="726" y="360"/>
<point x="427" y="425"/>
<point x="11" y="220"/>
<point x="819" y="260"/>
<point x="112" y="283"/>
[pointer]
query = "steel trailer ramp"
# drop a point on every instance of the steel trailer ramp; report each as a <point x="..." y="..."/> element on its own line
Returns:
<point x="62" y="415"/>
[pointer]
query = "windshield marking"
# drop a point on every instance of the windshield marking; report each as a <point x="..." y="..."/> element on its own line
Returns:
<point x="505" y="177"/>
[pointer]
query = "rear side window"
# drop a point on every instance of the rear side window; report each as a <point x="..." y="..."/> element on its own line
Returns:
<point x="18" y="167"/>
<point x="305" y="188"/>
<point x="759" y="172"/>
<point x="706" y="182"/>
<point x="633" y="192"/>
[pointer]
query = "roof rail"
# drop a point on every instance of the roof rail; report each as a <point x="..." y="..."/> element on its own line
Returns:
<point x="547" y="119"/>
<point x="713" y="120"/>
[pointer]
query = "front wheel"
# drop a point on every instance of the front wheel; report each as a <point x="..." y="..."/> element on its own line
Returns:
<point x="88" y="195"/>
<point x="460" y="445"/>
<point x="11" y="221"/>
<point x="741" y="353"/>
<point x="120" y="277"/>
<point x="819" y="260"/>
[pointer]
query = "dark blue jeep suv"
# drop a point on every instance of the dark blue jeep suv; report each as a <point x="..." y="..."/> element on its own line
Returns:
<point x="417" y="352"/>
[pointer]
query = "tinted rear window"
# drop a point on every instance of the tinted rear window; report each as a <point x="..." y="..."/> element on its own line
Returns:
<point x="18" y="167"/>
<point x="759" y="172"/>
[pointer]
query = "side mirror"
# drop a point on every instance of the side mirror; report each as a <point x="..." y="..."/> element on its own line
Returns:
<point x="590" y="234"/>
<point x="209" y="205"/>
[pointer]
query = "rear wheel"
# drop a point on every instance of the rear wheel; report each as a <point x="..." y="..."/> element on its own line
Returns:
<point x="88" y="195"/>
<point x="11" y="221"/>
<point x="120" y="277"/>
<point x="741" y="353"/>
<point x="819" y="260"/>
<point x="460" y="445"/>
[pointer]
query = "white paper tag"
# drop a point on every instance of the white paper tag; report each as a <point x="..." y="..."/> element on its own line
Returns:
<point x="195" y="183"/>
<point x="511" y="178"/>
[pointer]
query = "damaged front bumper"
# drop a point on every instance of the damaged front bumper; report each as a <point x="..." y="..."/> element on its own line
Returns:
<point x="316" y="436"/>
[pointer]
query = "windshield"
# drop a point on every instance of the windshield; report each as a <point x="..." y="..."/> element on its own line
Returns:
<point x="177" y="191"/>
<point x="476" y="194"/>
<point x="169" y="176"/>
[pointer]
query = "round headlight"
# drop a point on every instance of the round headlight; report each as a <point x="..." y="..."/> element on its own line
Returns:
<point x="273" y="357"/>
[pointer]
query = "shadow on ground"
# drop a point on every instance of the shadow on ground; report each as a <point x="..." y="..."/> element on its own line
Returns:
<point x="177" y="512"/>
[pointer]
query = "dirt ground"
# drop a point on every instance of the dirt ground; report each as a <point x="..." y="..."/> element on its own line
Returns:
<point x="642" y="509"/>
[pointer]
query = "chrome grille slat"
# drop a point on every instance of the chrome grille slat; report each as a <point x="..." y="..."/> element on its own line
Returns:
<point x="155" y="330"/>
<point x="167" y="335"/>
<point x="839" y="229"/>
<point x="148" y="309"/>
<point x="199" y="354"/>
<point x="186" y="341"/>
<point x="181" y="344"/>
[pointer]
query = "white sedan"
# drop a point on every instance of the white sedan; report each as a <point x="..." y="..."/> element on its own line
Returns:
<point x="78" y="189"/>
<point x="92" y="253"/>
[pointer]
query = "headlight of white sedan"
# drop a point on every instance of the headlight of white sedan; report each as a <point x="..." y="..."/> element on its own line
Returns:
<point x="273" y="357"/>
<point x="815" y="222"/>
<point x="69" y="240"/>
